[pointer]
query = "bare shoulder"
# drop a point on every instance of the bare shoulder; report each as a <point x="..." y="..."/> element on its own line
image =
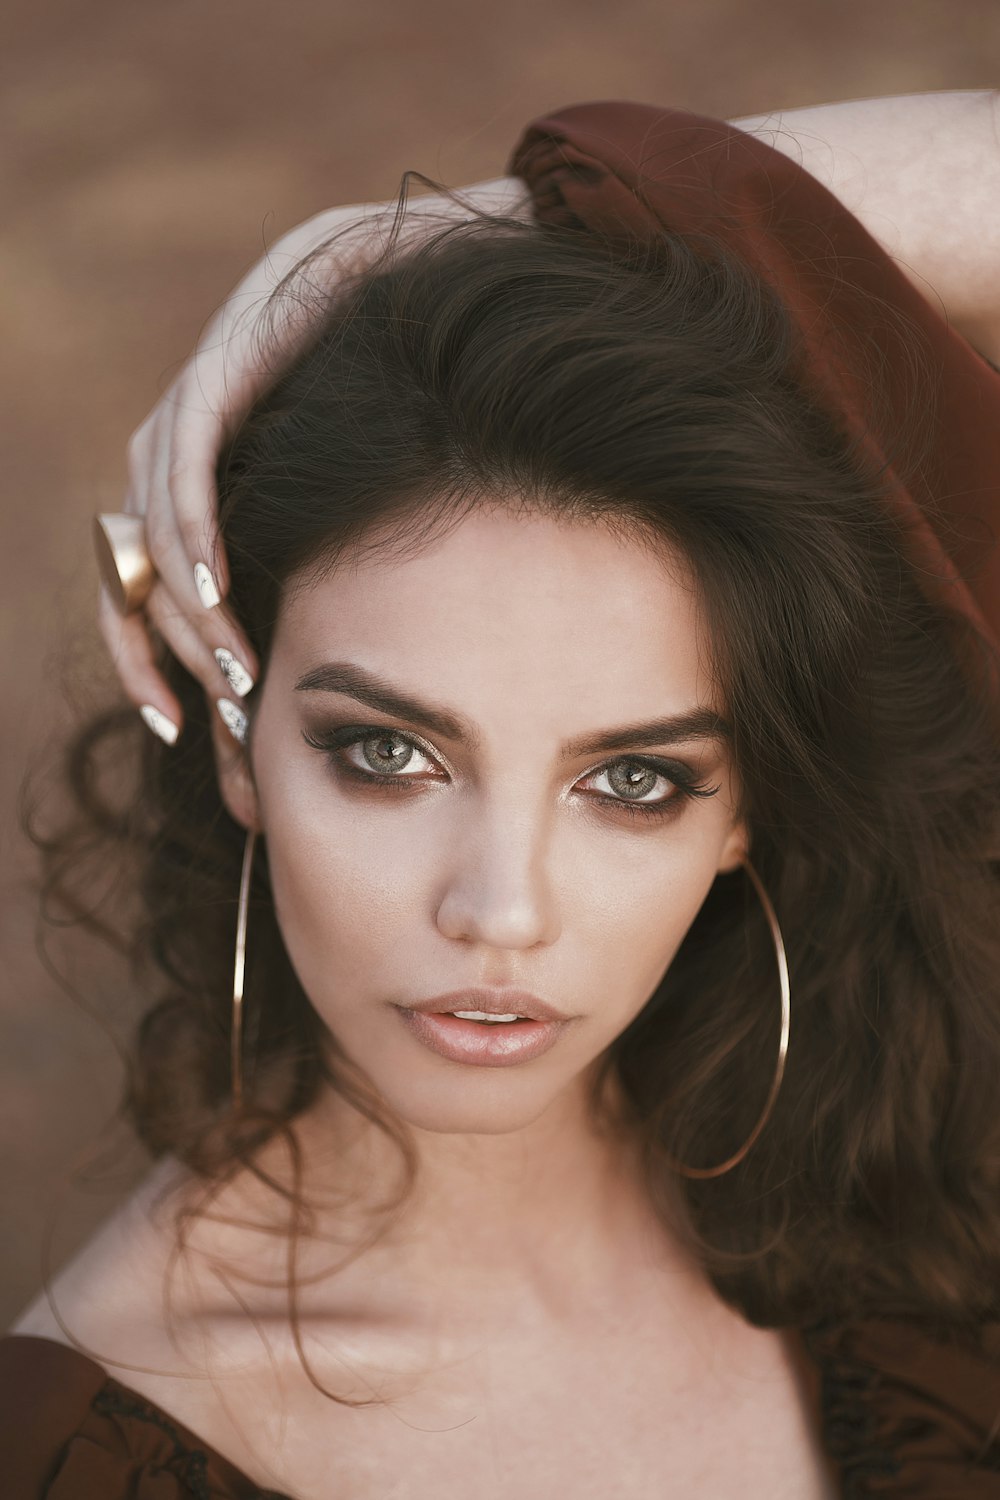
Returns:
<point x="110" y="1295"/>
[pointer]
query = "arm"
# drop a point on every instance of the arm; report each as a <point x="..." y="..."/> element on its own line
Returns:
<point x="922" y="173"/>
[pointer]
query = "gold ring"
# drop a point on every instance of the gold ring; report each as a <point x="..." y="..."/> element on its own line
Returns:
<point x="125" y="564"/>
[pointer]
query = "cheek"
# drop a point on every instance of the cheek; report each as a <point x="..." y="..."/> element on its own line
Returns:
<point x="334" y="892"/>
<point x="342" y="887"/>
<point x="639" y="911"/>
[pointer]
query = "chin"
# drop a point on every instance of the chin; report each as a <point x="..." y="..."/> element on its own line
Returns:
<point x="473" y="1101"/>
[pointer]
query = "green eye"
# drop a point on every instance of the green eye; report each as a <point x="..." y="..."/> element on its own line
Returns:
<point x="681" y="778"/>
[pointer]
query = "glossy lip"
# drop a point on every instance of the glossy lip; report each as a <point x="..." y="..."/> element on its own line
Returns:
<point x="478" y="1043"/>
<point x="493" y="1002"/>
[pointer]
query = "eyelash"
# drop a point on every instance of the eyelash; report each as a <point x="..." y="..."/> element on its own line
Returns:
<point x="687" y="784"/>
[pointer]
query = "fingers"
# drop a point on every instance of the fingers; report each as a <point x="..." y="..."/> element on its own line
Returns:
<point x="191" y="585"/>
<point x="131" y="649"/>
<point x="130" y="643"/>
<point x="172" y="459"/>
<point x="171" y="466"/>
<point x="219" y="670"/>
<point x="174" y="453"/>
<point x="195" y="606"/>
<point x="181" y="479"/>
<point x="182" y="638"/>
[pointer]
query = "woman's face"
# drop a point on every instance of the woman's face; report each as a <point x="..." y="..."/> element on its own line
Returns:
<point x="498" y="851"/>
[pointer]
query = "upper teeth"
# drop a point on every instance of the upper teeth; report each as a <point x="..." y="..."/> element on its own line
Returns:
<point x="481" y="1015"/>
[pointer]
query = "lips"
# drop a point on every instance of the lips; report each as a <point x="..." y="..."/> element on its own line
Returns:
<point x="494" y="1002"/>
<point x="479" y="1043"/>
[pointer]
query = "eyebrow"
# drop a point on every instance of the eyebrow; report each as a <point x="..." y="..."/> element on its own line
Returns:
<point x="367" y="687"/>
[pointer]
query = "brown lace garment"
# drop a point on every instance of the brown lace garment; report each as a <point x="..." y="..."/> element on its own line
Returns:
<point x="69" y="1431"/>
<point x="901" y="1414"/>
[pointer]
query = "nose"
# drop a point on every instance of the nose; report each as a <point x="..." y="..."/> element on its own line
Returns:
<point x="497" y="890"/>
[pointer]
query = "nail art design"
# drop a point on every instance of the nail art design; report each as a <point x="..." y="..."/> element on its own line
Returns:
<point x="234" y="672"/>
<point x="159" y="724"/>
<point x="208" y="593"/>
<point x="234" y="718"/>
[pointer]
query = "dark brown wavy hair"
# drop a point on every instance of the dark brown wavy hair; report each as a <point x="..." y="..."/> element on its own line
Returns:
<point x="658" y="388"/>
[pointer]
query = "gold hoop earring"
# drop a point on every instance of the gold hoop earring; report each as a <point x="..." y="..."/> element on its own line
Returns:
<point x="239" y="968"/>
<point x="779" y="949"/>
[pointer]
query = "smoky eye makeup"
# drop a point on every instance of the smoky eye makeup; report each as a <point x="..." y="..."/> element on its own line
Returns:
<point x="378" y="756"/>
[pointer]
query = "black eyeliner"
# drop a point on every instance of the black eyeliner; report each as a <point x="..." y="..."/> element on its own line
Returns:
<point x="687" y="783"/>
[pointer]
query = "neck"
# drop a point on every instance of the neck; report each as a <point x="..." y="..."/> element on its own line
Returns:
<point x="547" y="1223"/>
<point x="553" y="1212"/>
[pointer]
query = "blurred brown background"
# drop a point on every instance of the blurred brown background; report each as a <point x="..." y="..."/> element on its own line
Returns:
<point x="152" y="149"/>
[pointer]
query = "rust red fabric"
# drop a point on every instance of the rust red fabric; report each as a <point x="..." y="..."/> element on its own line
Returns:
<point x="627" y="170"/>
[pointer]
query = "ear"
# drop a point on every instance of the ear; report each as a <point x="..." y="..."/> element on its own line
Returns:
<point x="735" y="849"/>
<point x="235" y="775"/>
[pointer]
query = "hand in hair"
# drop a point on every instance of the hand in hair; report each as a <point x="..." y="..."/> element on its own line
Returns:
<point x="921" y="172"/>
<point x="172" y="454"/>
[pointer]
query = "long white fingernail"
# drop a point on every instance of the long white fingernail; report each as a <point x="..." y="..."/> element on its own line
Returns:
<point x="160" y="724"/>
<point x="234" y="718"/>
<point x="208" y="593"/>
<point x="234" y="672"/>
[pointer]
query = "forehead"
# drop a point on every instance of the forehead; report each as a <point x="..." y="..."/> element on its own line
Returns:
<point x="531" y="607"/>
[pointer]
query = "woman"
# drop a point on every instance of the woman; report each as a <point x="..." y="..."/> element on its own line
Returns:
<point x="614" y="654"/>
